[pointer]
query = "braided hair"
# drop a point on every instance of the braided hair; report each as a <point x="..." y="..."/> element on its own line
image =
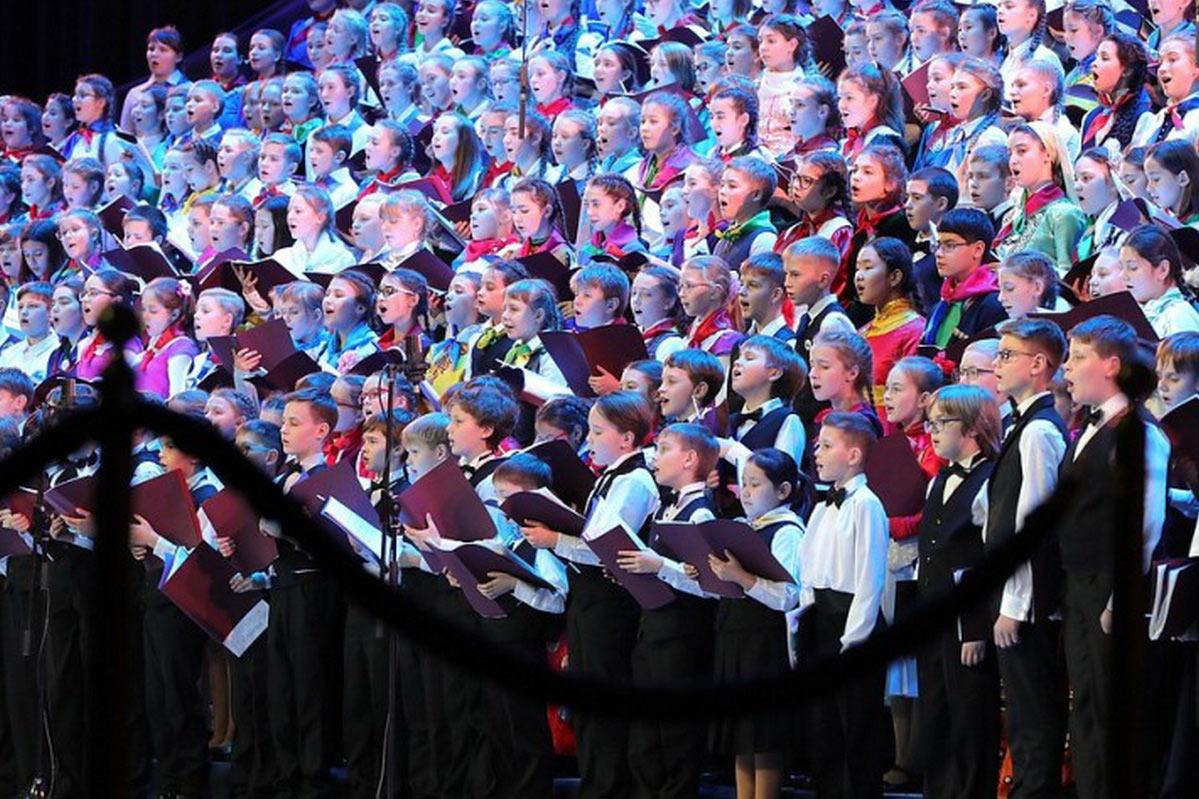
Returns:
<point x="619" y="188"/>
<point x="546" y="196"/>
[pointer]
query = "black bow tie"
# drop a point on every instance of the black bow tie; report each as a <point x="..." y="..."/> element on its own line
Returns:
<point x="1015" y="411"/>
<point x="955" y="469"/>
<point x="1092" y="417"/>
<point x="836" y="496"/>
<point x="748" y="416"/>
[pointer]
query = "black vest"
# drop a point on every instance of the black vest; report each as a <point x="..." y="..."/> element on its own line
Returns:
<point x="588" y="585"/>
<point x="291" y="558"/>
<point x="736" y="252"/>
<point x="1003" y="495"/>
<point x="765" y="431"/>
<point x="1085" y="532"/>
<point x="949" y="538"/>
<point x="687" y="615"/>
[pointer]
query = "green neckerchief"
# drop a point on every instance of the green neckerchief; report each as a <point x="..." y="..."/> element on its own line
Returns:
<point x="759" y="221"/>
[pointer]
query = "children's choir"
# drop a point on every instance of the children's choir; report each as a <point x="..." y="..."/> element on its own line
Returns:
<point x="760" y="322"/>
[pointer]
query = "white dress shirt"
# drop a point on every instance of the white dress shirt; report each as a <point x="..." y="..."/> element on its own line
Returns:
<point x="630" y="500"/>
<point x="786" y="547"/>
<point x="845" y="549"/>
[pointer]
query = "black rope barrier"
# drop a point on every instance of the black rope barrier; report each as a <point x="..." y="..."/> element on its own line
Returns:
<point x="122" y="411"/>
<point x="447" y="639"/>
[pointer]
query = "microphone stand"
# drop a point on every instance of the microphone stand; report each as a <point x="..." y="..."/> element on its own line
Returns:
<point x="524" y="65"/>
<point x="391" y="577"/>
<point x="40" y="533"/>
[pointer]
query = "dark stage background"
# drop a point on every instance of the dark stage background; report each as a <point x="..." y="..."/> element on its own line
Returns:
<point x="48" y="43"/>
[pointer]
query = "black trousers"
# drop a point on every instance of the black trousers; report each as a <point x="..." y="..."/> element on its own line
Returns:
<point x="517" y="727"/>
<point x="68" y="670"/>
<point x="665" y="757"/>
<point x="1181" y="760"/>
<point x="432" y="671"/>
<point x="1088" y="663"/>
<point x="469" y="768"/>
<point x="20" y="678"/>
<point x="601" y="635"/>
<point x="365" y="705"/>
<point x="957" y="721"/>
<point x="252" y="763"/>
<point x="305" y="630"/>
<point x="425" y="737"/>
<point x="174" y="663"/>
<point x="8" y="754"/>
<point x="845" y="727"/>
<point x="1035" y="710"/>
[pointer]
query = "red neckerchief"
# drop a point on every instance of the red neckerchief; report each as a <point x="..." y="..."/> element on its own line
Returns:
<point x="869" y="221"/>
<point x="444" y="181"/>
<point x="552" y="110"/>
<point x="712" y="324"/>
<point x="478" y="249"/>
<point x="1107" y="108"/>
<point x="93" y="348"/>
<point x="388" y="340"/>
<point x="381" y="180"/>
<point x="1033" y="203"/>
<point x="339" y="444"/>
<point x="18" y="154"/>
<point x="981" y="281"/>
<point x="495" y="171"/>
<point x="658" y="328"/>
<point x="158" y="345"/>
<point x="821" y="141"/>
<point x="874" y="9"/>
<point x="854" y="143"/>
<point x="529" y="247"/>
<point x="267" y="193"/>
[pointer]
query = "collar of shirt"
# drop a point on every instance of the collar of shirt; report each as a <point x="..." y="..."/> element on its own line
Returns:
<point x="478" y="460"/>
<point x="781" y="513"/>
<point x="1028" y="403"/>
<point x="771" y="327"/>
<point x="616" y="463"/>
<point x="853" y="484"/>
<point x="690" y="492"/>
<point x="817" y="307"/>
<point x="766" y="407"/>
<point x="1112" y="407"/>
<point x="311" y="462"/>
<point x="1158" y="305"/>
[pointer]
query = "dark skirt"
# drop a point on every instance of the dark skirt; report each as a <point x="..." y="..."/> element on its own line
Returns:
<point x="751" y="643"/>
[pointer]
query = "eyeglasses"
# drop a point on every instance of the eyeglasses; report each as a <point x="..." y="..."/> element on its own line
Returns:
<point x="84" y="95"/>
<point x="1007" y="355"/>
<point x="805" y="181"/>
<point x="973" y="372"/>
<point x="391" y="291"/>
<point x="937" y="425"/>
<point x="951" y="245"/>
<point x="93" y="293"/>
<point x="689" y="286"/>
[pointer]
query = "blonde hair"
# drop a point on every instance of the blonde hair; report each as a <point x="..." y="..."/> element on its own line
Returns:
<point x="409" y="202"/>
<point x="854" y="352"/>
